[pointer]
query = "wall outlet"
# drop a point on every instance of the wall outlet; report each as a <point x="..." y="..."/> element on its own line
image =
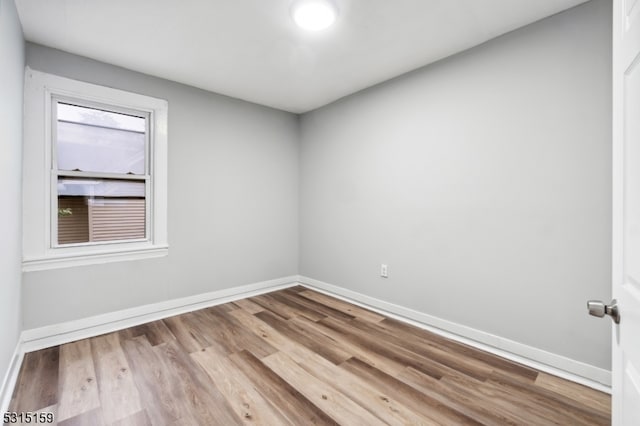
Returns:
<point x="384" y="271"/>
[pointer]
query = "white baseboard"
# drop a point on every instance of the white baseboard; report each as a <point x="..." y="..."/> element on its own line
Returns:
<point x="10" y="378"/>
<point x="539" y="359"/>
<point x="57" y="334"/>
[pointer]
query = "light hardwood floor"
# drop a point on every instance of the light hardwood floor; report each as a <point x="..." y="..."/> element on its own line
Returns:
<point x="293" y="357"/>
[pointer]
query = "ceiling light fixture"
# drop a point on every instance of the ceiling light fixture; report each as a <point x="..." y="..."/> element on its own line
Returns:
<point x="314" y="15"/>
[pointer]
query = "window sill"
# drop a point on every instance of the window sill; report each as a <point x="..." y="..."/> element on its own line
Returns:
<point x="92" y="258"/>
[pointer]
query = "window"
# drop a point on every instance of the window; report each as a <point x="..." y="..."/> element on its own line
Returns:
<point x="102" y="174"/>
<point x="104" y="152"/>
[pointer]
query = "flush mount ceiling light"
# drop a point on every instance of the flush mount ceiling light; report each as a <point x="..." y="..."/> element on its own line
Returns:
<point x="314" y="15"/>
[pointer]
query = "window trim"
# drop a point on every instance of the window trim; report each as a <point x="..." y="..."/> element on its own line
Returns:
<point x="40" y="176"/>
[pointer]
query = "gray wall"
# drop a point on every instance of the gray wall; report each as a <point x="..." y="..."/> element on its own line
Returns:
<point x="233" y="202"/>
<point x="483" y="181"/>
<point x="11" y="82"/>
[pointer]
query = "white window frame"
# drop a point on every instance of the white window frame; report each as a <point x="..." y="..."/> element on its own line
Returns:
<point x="40" y="176"/>
<point x="56" y="173"/>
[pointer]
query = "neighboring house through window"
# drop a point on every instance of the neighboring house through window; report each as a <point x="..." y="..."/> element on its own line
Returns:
<point x="105" y="157"/>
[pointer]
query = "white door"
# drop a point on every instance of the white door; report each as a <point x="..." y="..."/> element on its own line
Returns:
<point x="626" y="211"/>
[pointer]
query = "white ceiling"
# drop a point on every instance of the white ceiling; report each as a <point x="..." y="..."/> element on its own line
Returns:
<point x="250" y="49"/>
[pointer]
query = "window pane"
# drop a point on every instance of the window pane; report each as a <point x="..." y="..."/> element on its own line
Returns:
<point x="93" y="140"/>
<point x="91" y="210"/>
<point x="98" y="117"/>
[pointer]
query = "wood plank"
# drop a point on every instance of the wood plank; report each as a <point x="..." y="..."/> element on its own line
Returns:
<point x="576" y="413"/>
<point x="77" y="386"/>
<point x="338" y="406"/>
<point x="266" y="332"/>
<point x="325" y="310"/>
<point x="383" y="406"/>
<point x="156" y="332"/>
<point x="118" y="393"/>
<point x="93" y="417"/>
<point x="388" y="350"/>
<point x="297" y="308"/>
<point x="260" y="328"/>
<point x="249" y="306"/>
<point x="464" y="364"/>
<point x="232" y="336"/>
<point x="37" y="385"/>
<point x="286" y="399"/>
<point x="468" y="400"/>
<point x="138" y="419"/>
<point x="202" y="399"/>
<point x="381" y="403"/>
<point x="159" y="388"/>
<point x="437" y="409"/>
<point x="273" y="306"/>
<point x="227" y="307"/>
<point x="246" y="402"/>
<point x="599" y="401"/>
<point x="518" y="408"/>
<point x="306" y="337"/>
<point x="343" y="306"/>
<point x="413" y="333"/>
<point x="189" y="331"/>
<point x="344" y="341"/>
<point x="128" y="333"/>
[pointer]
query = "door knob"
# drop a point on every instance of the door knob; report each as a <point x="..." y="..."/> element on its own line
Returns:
<point x="597" y="308"/>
